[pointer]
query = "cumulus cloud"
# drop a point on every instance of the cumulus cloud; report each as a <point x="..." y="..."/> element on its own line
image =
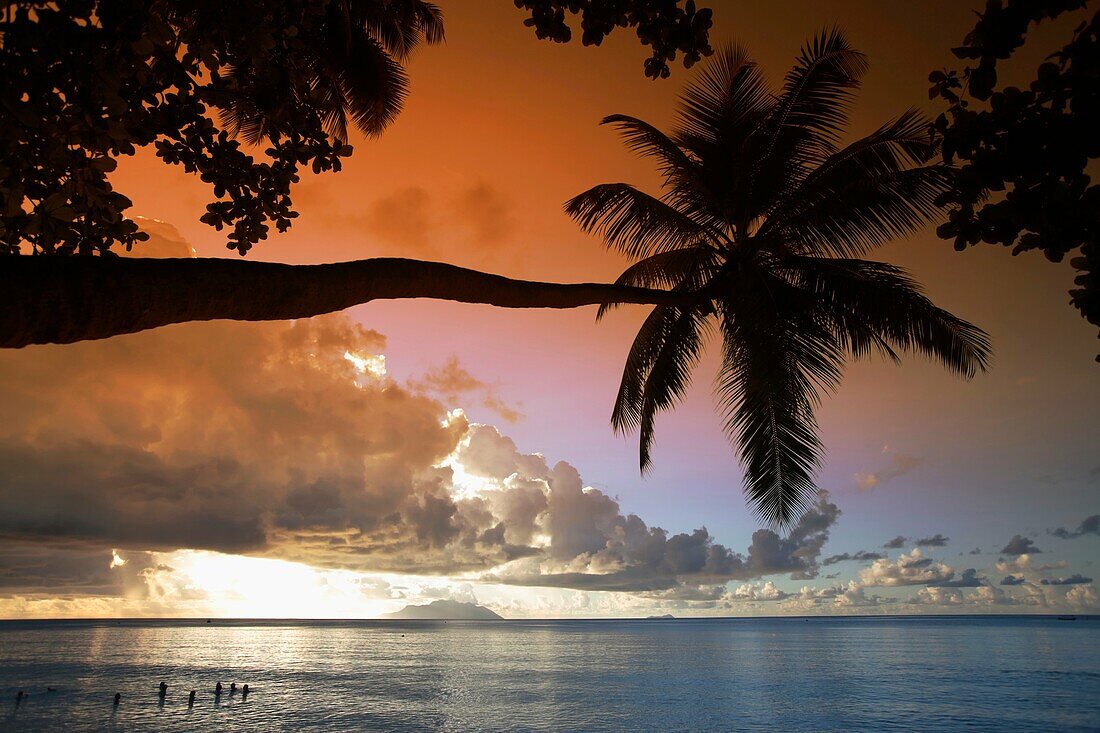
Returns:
<point x="908" y="569"/>
<point x="766" y="592"/>
<point x="1020" y="545"/>
<point x="936" y="540"/>
<point x="897" y="543"/>
<point x="592" y="545"/>
<point x="1024" y="564"/>
<point x="1089" y="525"/>
<point x="898" y="465"/>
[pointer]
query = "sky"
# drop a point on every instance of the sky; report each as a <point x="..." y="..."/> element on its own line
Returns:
<point x="407" y="451"/>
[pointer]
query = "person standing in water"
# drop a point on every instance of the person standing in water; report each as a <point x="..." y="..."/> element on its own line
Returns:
<point x="191" y="699"/>
<point x="163" y="689"/>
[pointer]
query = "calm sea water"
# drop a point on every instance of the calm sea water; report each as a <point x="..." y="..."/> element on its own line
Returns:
<point x="869" y="674"/>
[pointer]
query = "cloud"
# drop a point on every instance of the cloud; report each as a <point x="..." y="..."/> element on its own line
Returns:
<point x="1082" y="596"/>
<point x="1090" y="525"/>
<point x="1075" y="579"/>
<point x="897" y="543"/>
<point x="1020" y="545"/>
<point x="487" y="213"/>
<point x="911" y="569"/>
<point x="753" y="593"/>
<point x="451" y="381"/>
<point x="939" y="596"/>
<point x="418" y="222"/>
<point x="861" y="555"/>
<point x="968" y="579"/>
<point x="594" y="547"/>
<point x="403" y="218"/>
<point x="1013" y="580"/>
<point x="1023" y="564"/>
<point x="936" y="540"/>
<point x="281" y="440"/>
<point x="899" y="465"/>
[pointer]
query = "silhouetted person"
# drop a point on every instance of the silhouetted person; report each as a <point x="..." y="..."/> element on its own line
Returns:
<point x="232" y="688"/>
<point x="244" y="692"/>
<point x="163" y="689"/>
<point x="118" y="698"/>
<point x="191" y="699"/>
<point x="218" y="689"/>
<point x="19" y="697"/>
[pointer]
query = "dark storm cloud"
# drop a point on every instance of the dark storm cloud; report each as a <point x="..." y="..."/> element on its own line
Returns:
<point x="897" y="543"/>
<point x="861" y="555"/>
<point x="1013" y="580"/>
<point x="68" y="570"/>
<point x="936" y="540"/>
<point x="1020" y="545"/>
<point x="1090" y="525"/>
<point x="1075" y="579"/>
<point x="968" y="579"/>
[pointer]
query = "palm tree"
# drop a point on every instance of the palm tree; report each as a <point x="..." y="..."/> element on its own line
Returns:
<point x="355" y="68"/>
<point x="761" y="228"/>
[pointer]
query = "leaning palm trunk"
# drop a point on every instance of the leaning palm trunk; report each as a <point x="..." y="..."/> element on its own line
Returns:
<point x="66" y="299"/>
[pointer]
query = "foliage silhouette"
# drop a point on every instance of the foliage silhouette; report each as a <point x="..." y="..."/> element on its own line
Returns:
<point x="1023" y="154"/>
<point x="761" y="227"/>
<point x="196" y="78"/>
<point x="664" y="26"/>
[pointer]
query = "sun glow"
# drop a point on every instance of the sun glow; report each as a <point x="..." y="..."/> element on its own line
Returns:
<point x="253" y="587"/>
<point x="373" y="365"/>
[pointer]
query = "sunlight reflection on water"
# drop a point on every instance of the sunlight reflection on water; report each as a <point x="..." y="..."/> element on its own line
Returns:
<point x="977" y="674"/>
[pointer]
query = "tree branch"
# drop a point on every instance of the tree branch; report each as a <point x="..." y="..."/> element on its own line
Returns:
<point x="57" y="299"/>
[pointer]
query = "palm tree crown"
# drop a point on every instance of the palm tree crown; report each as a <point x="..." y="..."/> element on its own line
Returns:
<point x="762" y="225"/>
<point x="353" y="65"/>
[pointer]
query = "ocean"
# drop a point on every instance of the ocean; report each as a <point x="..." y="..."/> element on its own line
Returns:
<point x="1003" y="673"/>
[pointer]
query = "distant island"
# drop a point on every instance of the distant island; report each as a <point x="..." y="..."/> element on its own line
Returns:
<point x="445" y="611"/>
<point x="666" y="617"/>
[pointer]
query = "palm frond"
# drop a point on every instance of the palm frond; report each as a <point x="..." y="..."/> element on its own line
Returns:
<point x="360" y="83"/>
<point x="669" y="375"/>
<point x="726" y="101"/>
<point x="860" y="197"/>
<point x="681" y="269"/>
<point x="878" y="304"/>
<point x="401" y="25"/>
<point x="777" y="360"/>
<point x="633" y="222"/>
<point x="769" y="420"/>
<point x="817" y="94"/>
